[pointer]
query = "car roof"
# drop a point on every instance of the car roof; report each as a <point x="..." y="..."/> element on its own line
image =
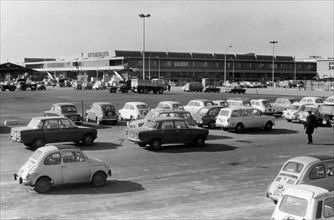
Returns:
<point x="200" y="100"/>
<point x="63" y="103"/>
<point x="238" y="107"/>
<point x="170" y="102"/>
<point x="311" y="158"/>
<point x="311" y="97"/>
<point x="48" y="148"/>
<point x="289" y="98"/>
<point x="301" y="188"/>
<point x="136" y="103"/>
<point x="102" y="103"/>
<point x="165" y="119"/>
<point x="49" y="117"/>
<point x="168" y="110"/>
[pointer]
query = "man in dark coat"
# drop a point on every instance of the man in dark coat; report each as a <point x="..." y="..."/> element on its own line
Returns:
<point x="311" y="123"/>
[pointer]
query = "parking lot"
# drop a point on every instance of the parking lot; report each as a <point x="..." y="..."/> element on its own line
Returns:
<point x="226" y="179"/>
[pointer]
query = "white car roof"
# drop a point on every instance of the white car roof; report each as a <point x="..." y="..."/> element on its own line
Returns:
<point x="302" y="189"/>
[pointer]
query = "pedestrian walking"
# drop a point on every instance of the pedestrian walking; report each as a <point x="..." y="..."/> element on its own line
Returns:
<point x="311" y="123"/>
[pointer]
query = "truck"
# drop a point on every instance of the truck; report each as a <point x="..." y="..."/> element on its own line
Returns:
<point x="145" y="86"/>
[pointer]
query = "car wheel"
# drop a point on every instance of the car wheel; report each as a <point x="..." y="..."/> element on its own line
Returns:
<point x="289" y="120"/>
<point x="199" y="142"/>
<point x="42" y="185"/>
<point x="37" y="143"/>
<point x="87" y="140"/>
<point x="161" y="91"/>
<point x="155" y="144"/>
<point x="212" y="125"/>
<point x="114" y="122"/>
<point x="99" y="179"/>
<point x="239" y="128"/>
<point x="268" y="126"/>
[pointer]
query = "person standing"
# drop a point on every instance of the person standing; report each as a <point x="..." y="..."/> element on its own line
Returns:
<point x="311" y="123"/>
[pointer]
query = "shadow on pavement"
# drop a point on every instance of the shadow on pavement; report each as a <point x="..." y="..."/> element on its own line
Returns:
<point x="218" y="137"/>
<point x="274" y="131"/>
<point x="111" y="187"/>
<point x="190" y="148"/>
<point x="101" y="146"/>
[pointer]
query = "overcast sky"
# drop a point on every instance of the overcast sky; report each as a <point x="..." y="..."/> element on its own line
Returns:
<point x="65" y="29"/>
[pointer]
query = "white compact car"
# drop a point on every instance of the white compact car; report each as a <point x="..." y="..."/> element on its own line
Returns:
<point x="292" y="112"/>
<point x="133" y="111"/>
<point x="263" y="105"/>
<point x="305" y="202"/>
<point x="56" y="165"/>
<point x="240" y="118"/>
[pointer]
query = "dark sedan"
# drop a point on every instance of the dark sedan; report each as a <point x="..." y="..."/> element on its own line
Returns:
<point x="211" y="88"/>
<point x="207" y="116"/>
<point x="158" y="131"/>
<point x="43" y="130"/>
<point x="68" y="110"/>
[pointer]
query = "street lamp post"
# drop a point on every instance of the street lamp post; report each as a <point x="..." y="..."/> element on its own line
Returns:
<point x="159" y="65"/>
<point x="232" y="68"/>
<point x="273" y="73"/>
<point x="144" y="16"/>
<point x="225" y="64"/>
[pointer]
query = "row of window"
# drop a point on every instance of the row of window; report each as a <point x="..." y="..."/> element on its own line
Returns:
<point x="68" y="157"/>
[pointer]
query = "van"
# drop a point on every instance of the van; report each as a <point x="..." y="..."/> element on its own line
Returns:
<point x="193" y="87"/>
<point x="305" y="202"/>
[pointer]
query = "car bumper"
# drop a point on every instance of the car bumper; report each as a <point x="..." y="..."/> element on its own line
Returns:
<point x="22" y="181"/>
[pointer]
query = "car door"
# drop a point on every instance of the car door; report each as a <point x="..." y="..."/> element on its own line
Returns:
<point x="258" y="119"/>
<point x="168" y="132"/>
<point x="52" y="167"/>
<point x="75" y="167"/>
<point x="68" y="131"/>
<point x="51" y="132"/>
<point x="247" y="118"/>
<point x="183" y="132"/>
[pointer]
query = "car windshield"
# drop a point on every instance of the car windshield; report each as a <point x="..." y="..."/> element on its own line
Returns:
<point x="36" y="154"/>
<point x="151" y="124"/>
<point x="224" y="113"/>
<point x="178" y="106"/>
<point x="202" y="111"/>
<point x="293" y="107"/>
<point x="108" y="108"/>
<point x="266" y="103"/>
<point x="35" y="123"/>
<point x="142" y="106"/>
<point x="293" y="167"/>
<point x="294" y="206"/>
<point x="68" y="108"/>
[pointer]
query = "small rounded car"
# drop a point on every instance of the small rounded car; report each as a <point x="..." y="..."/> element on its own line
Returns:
<point x="282" y="103"/>
<point x="57" y="165"/>
<point x="317" y="170"/>
<point x="292" y="112"/>
<point x="102" y="112"/>
<point x="133" y="111"/>
<point x="194" y="105"/>
<point x="311" y="100"/>
<point x="52" y="129"/>
<point x="169" y="105"/>
<point x="263" y="105"/>
<point x="159" y="131"/>
<point x="68" y="110"/>
<point x="207" y="116"/>
<point x="329" y="100"/>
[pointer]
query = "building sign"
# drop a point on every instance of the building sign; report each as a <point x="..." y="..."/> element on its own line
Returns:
<point x="98" y="54"/>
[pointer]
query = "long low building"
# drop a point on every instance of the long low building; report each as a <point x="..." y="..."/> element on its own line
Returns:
<point x="180" y="67"/>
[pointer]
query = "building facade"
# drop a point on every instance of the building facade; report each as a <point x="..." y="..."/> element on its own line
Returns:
<point x="180" y="67"/>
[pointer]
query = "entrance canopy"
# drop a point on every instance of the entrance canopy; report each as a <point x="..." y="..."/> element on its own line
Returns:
<point x="14" y="71"/>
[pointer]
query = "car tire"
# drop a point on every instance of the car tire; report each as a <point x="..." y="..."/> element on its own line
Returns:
<point x="289" y="120"/>
<point x="99" y="179"/>
<point x="161" y="91"/>
<point x="42" y="185"/>
<point x="142" y="145"/>
<point x="199" y="141"/>
<point x="268" y="126"/>
<point x="88" y="140"/>
<point x="212" y="124"/>
<point x="114" y="122"/>
<point x="239" y="128"/>
<point x="155" y="144"/>
<point x="37" y="143"/>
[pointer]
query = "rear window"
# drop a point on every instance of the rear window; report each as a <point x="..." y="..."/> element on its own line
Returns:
<point x="36" y="154"/>
<point x="293" y="167"/>
<point x="224" y="113"/>
<point x="294" y="206"/>
<point x="142" y="106"/>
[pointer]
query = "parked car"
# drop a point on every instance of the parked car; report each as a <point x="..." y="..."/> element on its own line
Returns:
<point x="163" y="114"/>
<point x="159" y="131"/>
<point x="282" y="103"/>
<point x="237" y="89"/>
<point x="220" y="102"/>
<point x="305" y="202"/>
<point x="87" y="86"/>
<point x="52" y="129"/>
<point x="194" y="105"/>
<point x="193" y="87"/>
<point x="207" y="116"/>
<point x="240" y="118"/>
<point x="326" y="112"/>
<point x="68" y="110"/>
<point x="133" y="111"/>
<point x="57" y="165"/>
<point x="237" y="101"/>
<point x="77" y="84"/>
<point x="169" y="105"/>
<point x="313" y="170"/>
<point x="263" y="105"/>
<point x="302" y="115"/>
<point x="211" y="88"/>
<point x="311" y="100"/>
<point x="40" y="86"/>
<point x="102" y="112"/>
<point x="329" y="100"/>
<point x="292" y="112"/>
